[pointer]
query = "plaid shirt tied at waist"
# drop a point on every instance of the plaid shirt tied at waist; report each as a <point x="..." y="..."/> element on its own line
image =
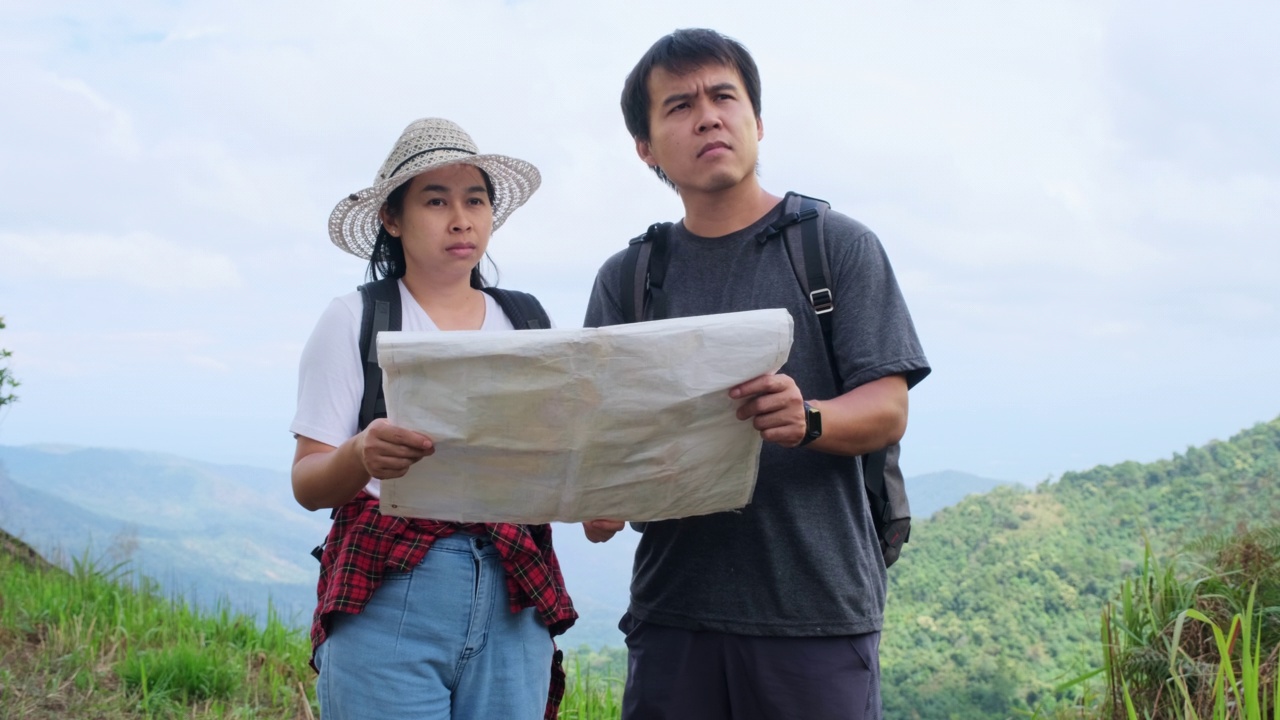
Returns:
<point x="364" y="544"/>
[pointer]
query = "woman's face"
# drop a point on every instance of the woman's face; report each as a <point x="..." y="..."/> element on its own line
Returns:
<point x="445" y="221"/>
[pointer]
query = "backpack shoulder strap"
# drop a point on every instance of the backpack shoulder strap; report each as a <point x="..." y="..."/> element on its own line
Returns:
<point x="381" y="311"/>
<point x="804" y="237"/>
<point x="643" y="275"/>
<point x="524" y="310"/>
<point x="644" y="272"/>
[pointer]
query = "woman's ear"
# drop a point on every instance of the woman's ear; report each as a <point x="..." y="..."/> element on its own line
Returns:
<point x="392" y="224"/>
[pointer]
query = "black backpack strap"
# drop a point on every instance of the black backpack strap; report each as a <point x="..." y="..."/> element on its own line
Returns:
<point x="806" y="248"/>
<point x="644" y="272"/>
<point x="634" y="277"/>
<point x="887" y="493"/>
<point x="523" y="309"/>
<point x="660" y="233"/>
<point x="801" y="226"/>
<point x="818" y="273"/>
<point x="381" y="300"/>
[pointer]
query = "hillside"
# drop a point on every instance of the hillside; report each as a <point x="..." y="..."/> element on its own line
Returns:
<point x="207" y="531"/>
<point x="1000" y="597"/>
<point x="219" y="531"/>
<point x="931" y="492"/>
<point x="996" y="600"/>
<point x="81" y="644"/>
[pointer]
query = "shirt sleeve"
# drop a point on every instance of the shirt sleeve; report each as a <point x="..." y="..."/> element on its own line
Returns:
<point x="331" y="377"/>
<point x="603" y="307"/>
<point x="872" y="329"/>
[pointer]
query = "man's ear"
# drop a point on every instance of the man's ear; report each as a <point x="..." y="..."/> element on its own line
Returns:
<point x="759" y="128"/>
<point x="645" y="151"/>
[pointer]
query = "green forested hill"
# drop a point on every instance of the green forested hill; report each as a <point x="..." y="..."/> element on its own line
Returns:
<point x="997" y="599"/>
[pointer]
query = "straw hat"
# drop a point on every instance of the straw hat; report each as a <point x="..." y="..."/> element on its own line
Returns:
<point x="426" y="145"/>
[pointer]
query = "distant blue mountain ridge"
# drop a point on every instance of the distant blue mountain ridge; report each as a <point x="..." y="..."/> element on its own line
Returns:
<point x="234" y="534"/>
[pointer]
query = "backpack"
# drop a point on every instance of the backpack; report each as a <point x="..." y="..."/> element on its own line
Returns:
<point x="643" y="296"/>
<point x="381" y="311"/>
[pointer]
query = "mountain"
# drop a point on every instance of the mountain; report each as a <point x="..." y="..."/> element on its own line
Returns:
<point x="599" y="576"/>
<point x="227" y="533"/>
<point x="214" y="532"/>
<point x="235" y="532"/>
<point x="932" y="492"/>
<point x="1001" y="596"/>
<point x="994" y="603"/>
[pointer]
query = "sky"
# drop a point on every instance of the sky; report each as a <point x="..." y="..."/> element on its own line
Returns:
<point x="1079" y="199"/>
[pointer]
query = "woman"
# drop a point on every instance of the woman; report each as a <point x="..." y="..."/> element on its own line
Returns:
<point x="420" y="618"/>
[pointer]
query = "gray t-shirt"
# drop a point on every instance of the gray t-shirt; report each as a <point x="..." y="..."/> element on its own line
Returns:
<point x="802" y="559"/>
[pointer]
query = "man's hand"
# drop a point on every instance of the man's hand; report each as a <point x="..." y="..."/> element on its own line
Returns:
<point x="599" y="531"/>
<point x="387" y="451"/>
<point x="774" y="406"/>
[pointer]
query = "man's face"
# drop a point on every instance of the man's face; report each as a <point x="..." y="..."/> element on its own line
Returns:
<point x="703" y="132"/>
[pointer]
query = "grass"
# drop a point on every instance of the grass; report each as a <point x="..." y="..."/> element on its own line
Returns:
<point x="1198" y="645"/>
<point x="97" y="642"/>
<point x="594" y="688"/>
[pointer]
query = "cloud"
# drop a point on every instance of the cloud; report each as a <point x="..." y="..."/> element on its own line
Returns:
<point x="205" y="363"/>
<point x="1078" y="197"/>
<point x="117" y="132"/>
<point x="139" y="260"/>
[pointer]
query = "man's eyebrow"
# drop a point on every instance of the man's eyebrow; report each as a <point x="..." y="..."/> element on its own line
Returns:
<point x="683" y="96"/>
<point x="677" y="97"/>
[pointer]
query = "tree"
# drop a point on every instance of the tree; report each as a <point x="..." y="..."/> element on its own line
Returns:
<point x="6" y="377"/>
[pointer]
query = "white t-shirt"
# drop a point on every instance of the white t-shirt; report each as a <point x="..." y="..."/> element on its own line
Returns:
<point x="331" y="374"/>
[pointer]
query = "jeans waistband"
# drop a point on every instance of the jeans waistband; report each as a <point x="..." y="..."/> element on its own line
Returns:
<point x="478" y="545"/>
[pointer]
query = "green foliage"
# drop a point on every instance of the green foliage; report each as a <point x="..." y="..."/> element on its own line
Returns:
<point x="994" y="606"/>
<point x="992" y="613"/>
<point x="595" y="682"/>
<point x="186" y="673"/>
<point x="7" y="380"/>
<point x="91" y="643"/>
<point x="97" y="642"/>
<point x="1164" y="648"/>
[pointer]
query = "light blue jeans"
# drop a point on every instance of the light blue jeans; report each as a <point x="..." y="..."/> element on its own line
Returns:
<point x="438" y="643"/>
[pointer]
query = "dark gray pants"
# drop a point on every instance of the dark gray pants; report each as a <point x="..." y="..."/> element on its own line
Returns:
<point x="675" y="674"/>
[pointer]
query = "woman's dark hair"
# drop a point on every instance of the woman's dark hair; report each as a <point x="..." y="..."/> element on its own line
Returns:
<point x="387" y="258"/>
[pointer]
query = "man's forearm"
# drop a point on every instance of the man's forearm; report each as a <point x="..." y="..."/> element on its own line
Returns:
<point x="865" y="419"/>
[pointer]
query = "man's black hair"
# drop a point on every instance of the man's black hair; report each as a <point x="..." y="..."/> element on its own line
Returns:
<point x="387" y="258"/>
<point x="681" y="52"/>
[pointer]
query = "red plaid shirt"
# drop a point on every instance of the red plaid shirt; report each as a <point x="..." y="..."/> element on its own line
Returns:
<point x="364" y="544"/>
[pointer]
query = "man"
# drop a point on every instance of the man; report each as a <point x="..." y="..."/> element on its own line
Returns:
<point x="773" y="611"/>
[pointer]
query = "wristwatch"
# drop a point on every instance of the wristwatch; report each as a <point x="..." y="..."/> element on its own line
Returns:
<point x="812" y="424"/>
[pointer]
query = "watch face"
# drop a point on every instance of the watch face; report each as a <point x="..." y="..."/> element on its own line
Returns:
<point x="812" y="423"/>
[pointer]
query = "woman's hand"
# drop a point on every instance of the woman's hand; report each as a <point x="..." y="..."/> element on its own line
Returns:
<point x="387" y="451"/>
<point x="327" y="476"/>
